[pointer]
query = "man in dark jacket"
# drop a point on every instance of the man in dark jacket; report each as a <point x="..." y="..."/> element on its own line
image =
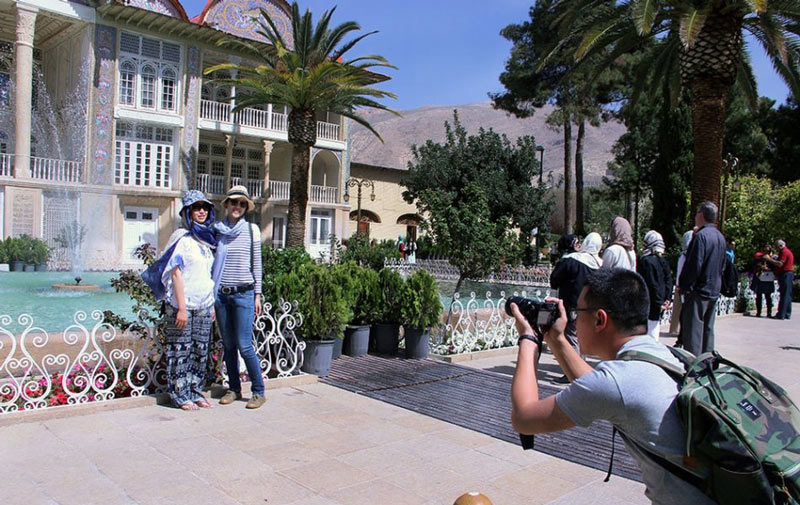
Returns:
<point x="700" y="281"/>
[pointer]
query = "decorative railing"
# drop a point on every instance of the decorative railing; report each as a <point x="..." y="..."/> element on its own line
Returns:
<point x="56" y="170"/>
<point x="479" y="324"/>
<point x="93" y="361"/>
<point x="211" y="184"/>
<point x="442" y="270"/>
<point x="323" y="194"/>
<point x="254" y="186"/>
<point x="327" y="131"/>
<point x="279" y="190"/>
<point x="725" y="305"/>
<point x="6" y="165"/>
<point x="256" y="118"/>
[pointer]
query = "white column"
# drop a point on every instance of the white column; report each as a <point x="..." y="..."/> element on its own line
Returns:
<point x="268" y="145"/>
<point x="23" y="61"/>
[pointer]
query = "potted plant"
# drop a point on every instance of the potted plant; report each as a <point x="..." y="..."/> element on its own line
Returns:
<point x="4" y="256"/>
<point x="360" y="287"/>
<point x="40" y="254"/>
<point x="324" y="311"/>
<point x="386" y="317"/>
<point x="421" y="310"/>
<point x="15" y="256"/>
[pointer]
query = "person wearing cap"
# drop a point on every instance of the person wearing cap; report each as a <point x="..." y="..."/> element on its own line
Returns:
<point x="189" y="293"/>
<point x="237" y="273"/>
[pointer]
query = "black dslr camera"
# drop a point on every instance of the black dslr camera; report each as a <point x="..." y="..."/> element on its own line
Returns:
<point x="538" y="312"/>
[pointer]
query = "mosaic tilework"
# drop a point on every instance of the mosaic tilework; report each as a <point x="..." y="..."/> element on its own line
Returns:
<point x="233" y="16"/>
<point x="101" y="170"/>
<point x="159" y="6"/>
<point x="192" y="97"/>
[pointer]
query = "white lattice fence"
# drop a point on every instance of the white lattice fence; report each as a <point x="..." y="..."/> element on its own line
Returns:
<point x="93" y="361"/>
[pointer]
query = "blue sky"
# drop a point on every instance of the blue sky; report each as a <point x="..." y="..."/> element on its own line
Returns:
<point x="450" y="52"/>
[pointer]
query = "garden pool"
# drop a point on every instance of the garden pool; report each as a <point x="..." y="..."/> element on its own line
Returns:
<point x="53" y="309"/>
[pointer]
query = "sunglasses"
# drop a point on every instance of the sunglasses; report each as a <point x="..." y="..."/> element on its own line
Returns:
<point x="200" y="206"/>
<point x="239" y="203"/>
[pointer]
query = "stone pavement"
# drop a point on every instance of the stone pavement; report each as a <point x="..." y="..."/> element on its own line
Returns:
<point x="318" y="445"/>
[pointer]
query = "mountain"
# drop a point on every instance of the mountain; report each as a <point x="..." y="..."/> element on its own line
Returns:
<point x="418" y="125"/>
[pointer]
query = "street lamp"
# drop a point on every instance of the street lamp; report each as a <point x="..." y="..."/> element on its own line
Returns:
<point x="358" y="183"/>
<point x="729" y="163"/>
<point x="540" y="150"/>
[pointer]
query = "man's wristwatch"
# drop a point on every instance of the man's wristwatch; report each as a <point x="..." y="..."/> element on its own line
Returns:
<point x="532" y="338"/>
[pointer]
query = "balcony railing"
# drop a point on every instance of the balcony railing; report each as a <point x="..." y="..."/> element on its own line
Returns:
<point x="211" y="184"/>
<point x="327" y="131"/>
<point x="279" y="190"/>
<point x="254" y="186"/>
<point x="256" y="118"/>
<point x="56" y="170"/>
<point x="323" y="194"/>
<point x="6" y="164"/>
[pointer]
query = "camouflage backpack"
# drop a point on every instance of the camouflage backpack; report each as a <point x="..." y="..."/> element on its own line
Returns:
<point x="742" y="430"/>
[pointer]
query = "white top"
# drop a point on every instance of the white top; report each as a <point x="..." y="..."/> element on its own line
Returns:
<point x="195" y="260"/>
<point x="617" y="256"/>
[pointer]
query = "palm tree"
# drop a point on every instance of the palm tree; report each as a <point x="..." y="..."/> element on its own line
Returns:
<point x="701" y="47"/>
<point x="307" y="76"/>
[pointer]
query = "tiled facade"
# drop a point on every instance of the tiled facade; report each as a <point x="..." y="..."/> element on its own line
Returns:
<point x="118" y="120"/>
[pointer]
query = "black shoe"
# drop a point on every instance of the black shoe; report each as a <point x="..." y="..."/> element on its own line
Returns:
<point x="776" y="316"/>
<point x="562" y="380"/>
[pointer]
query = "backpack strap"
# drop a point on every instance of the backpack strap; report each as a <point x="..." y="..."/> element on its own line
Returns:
<point x="675" y="371"/>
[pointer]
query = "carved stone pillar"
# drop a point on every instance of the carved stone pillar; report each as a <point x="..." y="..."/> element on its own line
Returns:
<point x="268" y="145"/>
<point x="230" y="142"/>
<point x="26" y="21"/>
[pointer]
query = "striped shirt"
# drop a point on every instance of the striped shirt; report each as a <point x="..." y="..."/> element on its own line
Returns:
<point x="236" y="270"/>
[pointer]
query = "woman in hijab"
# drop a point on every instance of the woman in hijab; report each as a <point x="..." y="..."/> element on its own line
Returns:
<point x="677" y="302"/>
<point x="620" y="253"/>
<point x="658" y="279"/>
<point x="189" y="289"/>
<point x="570" y="275"/>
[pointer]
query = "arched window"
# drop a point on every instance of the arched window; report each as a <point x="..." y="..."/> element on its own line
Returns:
<point x="222" y="94"/>
<point x="205" y="92"/>
<point x="168" y="84"/>
<point x="148" y="95"/>
<point x="127" y="83"/>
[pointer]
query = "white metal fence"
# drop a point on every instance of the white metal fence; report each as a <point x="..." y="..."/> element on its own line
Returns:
<point x="538" y="276"/>
<point x="323" y="194"/>
<point x="279" y="190"/>
<point x="93" y="361"/>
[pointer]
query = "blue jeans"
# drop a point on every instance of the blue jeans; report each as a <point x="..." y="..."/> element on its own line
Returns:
<point x="235" y="315"/>
<point x="785" y="288"/>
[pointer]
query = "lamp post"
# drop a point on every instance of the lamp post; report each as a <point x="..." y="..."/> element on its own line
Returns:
<point x="729" y="163"/>
<point x="540" y="150"/>
<point x="354" y="182"/>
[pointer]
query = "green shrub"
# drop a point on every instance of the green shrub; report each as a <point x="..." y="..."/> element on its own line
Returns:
<point x="390" y="297"/>
<point x="4" y="255"/>
<point x="422" y="307"/>
<point x="277" y="262"/>
<point x="40" y="252"/>
<point x="361" y="251"/>
<point x="360" y="289"/>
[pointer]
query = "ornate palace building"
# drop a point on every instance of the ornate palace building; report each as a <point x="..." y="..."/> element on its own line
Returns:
<point x="106" y="118"/>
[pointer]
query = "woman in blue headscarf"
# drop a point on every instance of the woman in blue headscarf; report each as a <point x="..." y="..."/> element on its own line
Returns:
<point x="189" y="293"/>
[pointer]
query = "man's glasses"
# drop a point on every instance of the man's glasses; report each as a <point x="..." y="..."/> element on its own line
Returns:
<point x="573" y="313"/>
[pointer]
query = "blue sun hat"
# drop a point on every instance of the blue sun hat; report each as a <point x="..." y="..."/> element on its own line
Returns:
<point x="191" y="197"/>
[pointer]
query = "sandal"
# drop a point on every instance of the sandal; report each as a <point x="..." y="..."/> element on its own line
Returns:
<point x="189" y="406"/>
<point x="203" y="403"/>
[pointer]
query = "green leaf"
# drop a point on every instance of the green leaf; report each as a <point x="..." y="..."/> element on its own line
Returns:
<point x="591" y="38"/>
<point x="644" y="13"/>
<point x="690" y="25"/>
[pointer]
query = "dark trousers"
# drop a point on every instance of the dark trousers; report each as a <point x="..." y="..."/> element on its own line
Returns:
<point x="765" y="289"/>
<point x="697" y="323"/>
<point x="785" y="280"/>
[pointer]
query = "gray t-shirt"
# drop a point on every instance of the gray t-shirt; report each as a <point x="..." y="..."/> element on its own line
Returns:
<point x="638" y="398"/>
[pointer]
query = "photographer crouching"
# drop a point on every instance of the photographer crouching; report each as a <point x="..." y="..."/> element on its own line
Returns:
<point x="635" y="396"/>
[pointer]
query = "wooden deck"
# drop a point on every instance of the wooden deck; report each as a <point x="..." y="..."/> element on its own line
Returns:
<point x="474" y="399"/>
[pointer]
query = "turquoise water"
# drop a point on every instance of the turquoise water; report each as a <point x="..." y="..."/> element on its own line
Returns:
<point x="447" y="288"/>
<point x="52" y="309"/>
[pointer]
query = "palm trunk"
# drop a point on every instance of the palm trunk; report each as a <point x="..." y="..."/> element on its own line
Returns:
<point x="579" y="227"/>
<point x="709" y="99"/>
<point x="567" y="174"/>
<point x="302" y="134"/>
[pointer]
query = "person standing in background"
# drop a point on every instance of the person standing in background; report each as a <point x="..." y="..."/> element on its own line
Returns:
<point x="677" y="302"/>
<point x="784" y="271"/>
<point x="763" y="278"/>
<point x="620" y="253"/>
<point x="655" y="271"/>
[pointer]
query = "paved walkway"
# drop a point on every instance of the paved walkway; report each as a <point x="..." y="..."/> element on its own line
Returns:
<point x="318" y="445"/>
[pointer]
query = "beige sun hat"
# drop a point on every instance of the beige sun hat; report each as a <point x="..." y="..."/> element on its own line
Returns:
<point x="240" y="193"/>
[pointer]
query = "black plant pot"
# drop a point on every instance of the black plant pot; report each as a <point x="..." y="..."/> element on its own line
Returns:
<point x="41" y="267"/>
<point x="17" y="266"/>
<point x="386" y="337"/>
<point x="30" y="268"/>
<point x="337" y="347"/>
<point x="317" y="357"/>
<point x="417" y="342"/>
<point x="356" y="340"/>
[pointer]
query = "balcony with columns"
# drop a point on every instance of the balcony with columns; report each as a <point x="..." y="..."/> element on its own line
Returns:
<point x="45" y="169"/>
